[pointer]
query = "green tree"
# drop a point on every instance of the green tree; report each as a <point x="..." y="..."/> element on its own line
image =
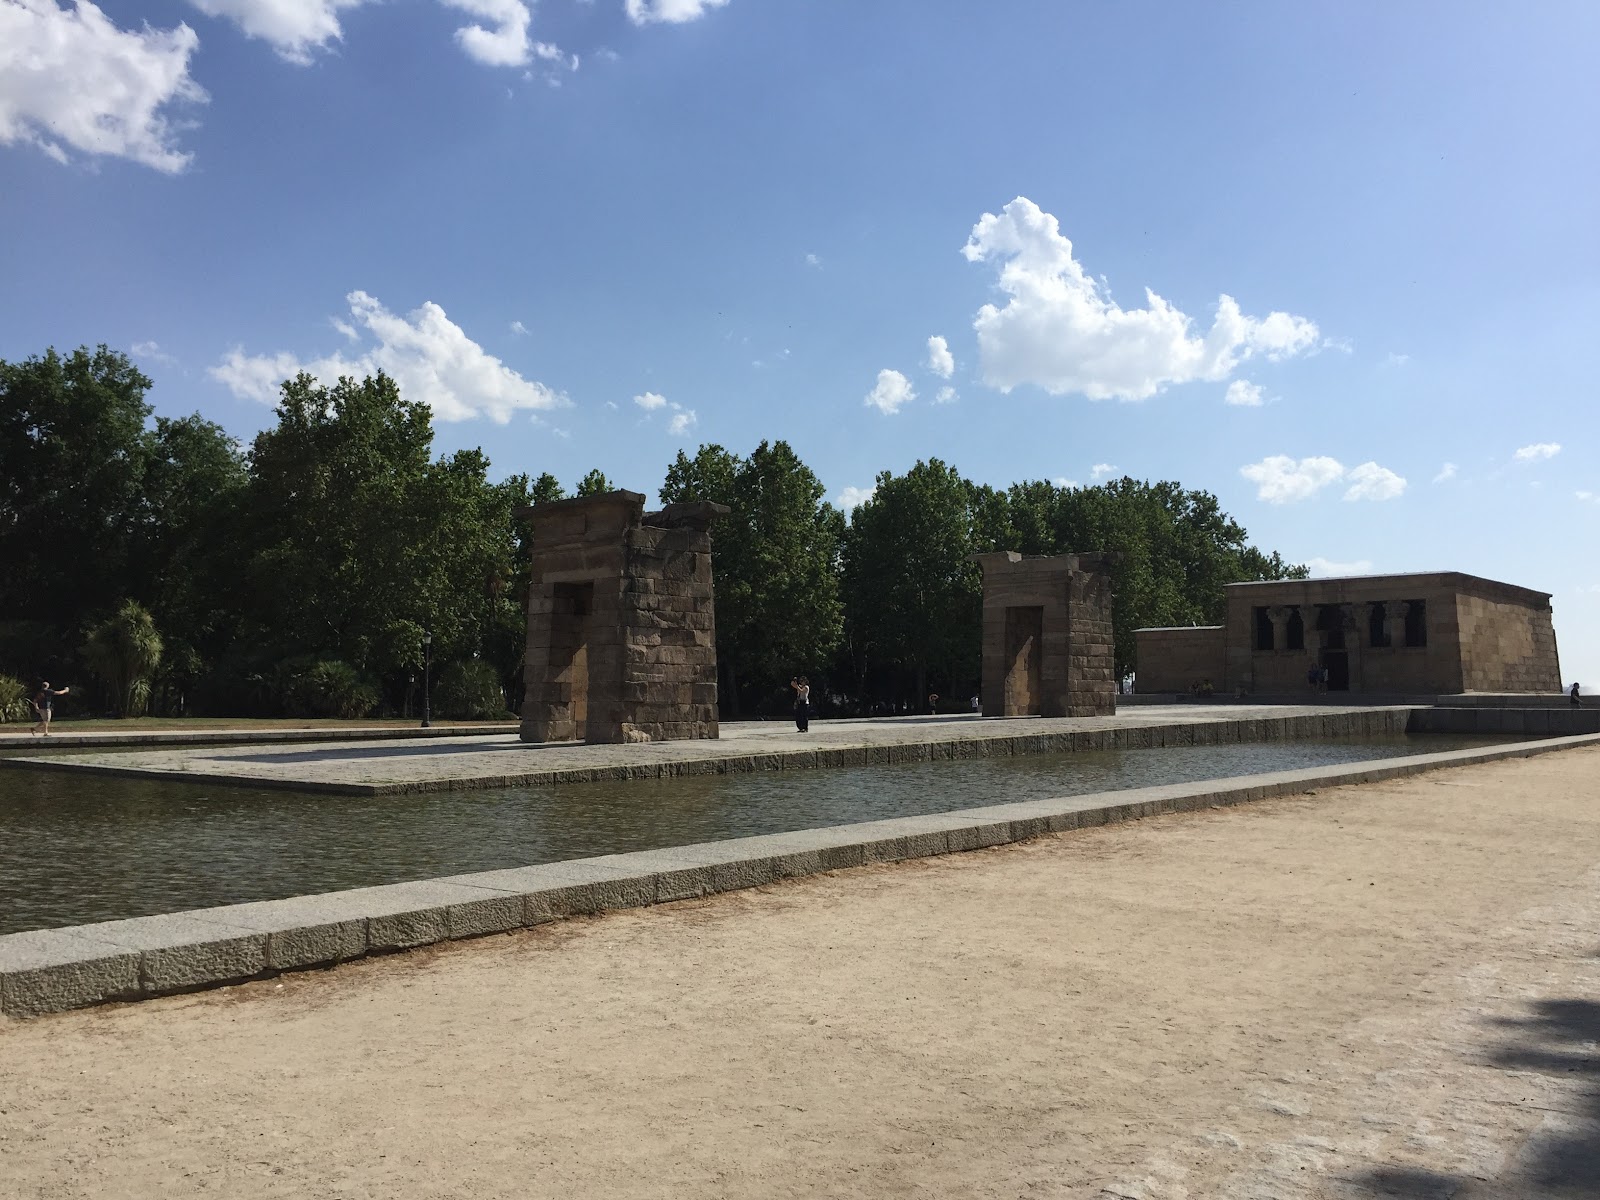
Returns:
<point x="72" y="462"/>
<point x="775" y="559"/>
<point x="594" y="483"/>
<point x="912" y="592"/>
<point x="124" y="651"/>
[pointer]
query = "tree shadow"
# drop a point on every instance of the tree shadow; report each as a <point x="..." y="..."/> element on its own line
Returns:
<point x="1561" y="1158"/>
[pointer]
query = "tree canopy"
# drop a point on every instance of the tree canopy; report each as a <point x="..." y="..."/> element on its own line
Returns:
<point x="299" y="575"/>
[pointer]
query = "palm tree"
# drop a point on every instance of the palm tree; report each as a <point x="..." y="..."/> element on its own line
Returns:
<point x="124" y="651"/>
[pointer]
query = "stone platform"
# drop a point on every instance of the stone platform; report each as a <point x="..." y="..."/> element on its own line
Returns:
<point x="446" y="764"/>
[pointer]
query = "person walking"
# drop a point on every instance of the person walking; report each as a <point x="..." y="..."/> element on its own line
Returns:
<point x="44" y="701"/>
<point x="1576" y="702"/>
<point x="802" y="703"/>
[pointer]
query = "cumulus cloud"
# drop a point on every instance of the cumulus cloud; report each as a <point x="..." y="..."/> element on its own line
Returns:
<point x="153" y="352"/>
<point x="1244" y="394"/>
<point x="1369" y="481"/>
<point x="1101" y="470"/>
<point x="891" y="392"/>
<point x="429" y="356"/>
<point x="294" y="28"/>
<point x="1323" y="568"/>
<point x="940" y="361"/>
<point x="1060" y="330"/>
<point x="670" y="12"/>
<point x="853" y="497"/>
<point x="1538" y="451"/>
<point x="650" y="401"/>
<point x="1280" y="479"/>
<point x="681" y="421"/>
<point x="1446" y="472"/>
<point x="518" y="328"/>
<point x="1061" y="481"/>
<point x="1587" y="497"/>
<point x="946" y="395"/>
<point x="506" y="42"/>
<point x="813" y="261"/>
<point x="69" y="78"/>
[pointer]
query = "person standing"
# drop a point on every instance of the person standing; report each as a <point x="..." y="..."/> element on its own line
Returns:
<point x="44" y="701"/>
<point x="802" y="703"/>
<point x="1576" y="702"/>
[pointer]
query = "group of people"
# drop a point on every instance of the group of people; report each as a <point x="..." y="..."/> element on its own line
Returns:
<point x="1317" y="677"/>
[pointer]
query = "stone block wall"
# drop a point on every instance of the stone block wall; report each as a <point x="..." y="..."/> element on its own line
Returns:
<point x="1171" y="660"/>
<point x="1506" y="647"/>
<point x="1047" y="640"/>
<point x="621" y="622"/>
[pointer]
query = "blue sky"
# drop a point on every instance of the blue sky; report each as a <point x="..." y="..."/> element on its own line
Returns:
<point x="591" y="233"/>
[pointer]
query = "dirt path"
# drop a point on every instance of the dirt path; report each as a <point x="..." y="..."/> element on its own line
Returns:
<point x="1389" y="989"/>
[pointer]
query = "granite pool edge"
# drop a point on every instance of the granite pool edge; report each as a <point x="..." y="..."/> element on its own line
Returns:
<point x="44" y="971"/>
<point x="1372" y="721"/>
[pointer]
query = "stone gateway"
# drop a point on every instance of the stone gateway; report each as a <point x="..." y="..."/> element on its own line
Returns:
<point x="1047" y="640"/>
<point x="621" y="625"/>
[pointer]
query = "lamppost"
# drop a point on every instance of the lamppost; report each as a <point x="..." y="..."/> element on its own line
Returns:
<point x="427" y="662"/>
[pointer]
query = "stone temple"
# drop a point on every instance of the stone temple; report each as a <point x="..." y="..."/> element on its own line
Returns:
<point x="1047" y="641"/>
<point x="1423" y="634"/>
<point x="621" y="624"/>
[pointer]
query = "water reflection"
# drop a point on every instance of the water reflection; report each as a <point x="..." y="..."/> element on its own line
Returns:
<point x="75" y="849"/>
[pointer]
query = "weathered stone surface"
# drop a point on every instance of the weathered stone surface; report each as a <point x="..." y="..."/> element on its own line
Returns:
<point x="1423" y="634"/>
<point x="621" y="641"/>
<point x="1047" y="637"/>
<point x="49" y="970"/>
<point x="179" y="951"/>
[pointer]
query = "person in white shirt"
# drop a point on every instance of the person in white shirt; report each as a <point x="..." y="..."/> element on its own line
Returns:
<point x="802" y="703"/>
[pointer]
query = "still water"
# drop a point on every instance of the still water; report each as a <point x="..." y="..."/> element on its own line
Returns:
<point x="75" y="849"/>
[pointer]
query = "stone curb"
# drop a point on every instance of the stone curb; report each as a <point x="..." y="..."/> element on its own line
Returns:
<point x="52" y="970"/>
<point x="247" y="737"/>
<point x="1371" y="722"/>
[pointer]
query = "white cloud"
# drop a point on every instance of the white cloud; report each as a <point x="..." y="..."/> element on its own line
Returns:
<point x="946" y="395"/>
<point x="506" y="44"/>
<point x="1587" y="497"/>
<point x="650" y="401"/>
<point x="1537" y="451"/>
<point x="1279" y="479"/>
<point x="1060" y="330"/>
<point x="71" y="78"/>
<point x="1061" y="481"/>
<point x="1396" y="360"/>
<point x="1369" y="481"/>
<point x="940" y="361"/>
<point x="853" y="497"/>
<point x="1322" y="568"/>
<point x="518" y="328"/>
<point x="153" y="352"/>
<point x="294" y="28"/>
<point x="1101" y="470"/>
<point x="1446" y="472"/>
<point x="429" y="356"/>
<point x="891" y="392"/>
<point x="681" y="421"/>
<point x="672" y="12"/>
<point x="813" y="261"/>
<point x="1243" y="393"/>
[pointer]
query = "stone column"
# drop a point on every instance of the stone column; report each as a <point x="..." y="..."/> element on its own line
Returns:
<point x="1394" y="622"/>
<point x="1279" y="616"/>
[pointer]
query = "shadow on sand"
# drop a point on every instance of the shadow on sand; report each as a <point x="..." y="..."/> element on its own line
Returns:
<point x="1561" y="1157"/>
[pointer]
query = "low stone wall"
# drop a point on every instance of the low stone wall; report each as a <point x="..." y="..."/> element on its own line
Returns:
<point x="52" y="970"/>
<point x="1538" y="722"/>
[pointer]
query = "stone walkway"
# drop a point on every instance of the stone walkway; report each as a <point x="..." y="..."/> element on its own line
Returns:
<point x="503" y="760"/>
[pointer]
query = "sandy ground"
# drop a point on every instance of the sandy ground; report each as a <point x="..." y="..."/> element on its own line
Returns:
<point x="1389" y="989"/>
